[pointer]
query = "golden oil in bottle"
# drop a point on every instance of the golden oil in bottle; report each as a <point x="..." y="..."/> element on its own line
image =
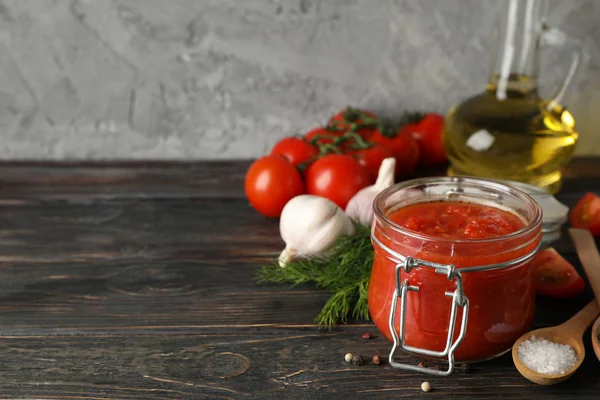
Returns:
<point x="509" y="131"/>
<point x="517" y="136"/>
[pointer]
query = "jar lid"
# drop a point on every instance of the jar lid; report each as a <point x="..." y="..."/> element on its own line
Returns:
<point x="554" y="213"/>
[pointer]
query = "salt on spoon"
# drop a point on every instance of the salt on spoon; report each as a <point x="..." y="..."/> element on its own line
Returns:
<point x="527" y="353"/>
<point x="562" y="340"/>
<point x="590" y="259"/>
<point x="547" y="357"/>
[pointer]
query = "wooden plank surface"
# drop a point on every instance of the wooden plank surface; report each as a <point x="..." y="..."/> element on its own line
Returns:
<point x="246" y="363"/>
<point x="217" y="179"/>
<point x="136" y="280"/>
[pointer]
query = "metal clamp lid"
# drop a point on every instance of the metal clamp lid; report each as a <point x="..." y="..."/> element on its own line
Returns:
<point x="458" y="300"/>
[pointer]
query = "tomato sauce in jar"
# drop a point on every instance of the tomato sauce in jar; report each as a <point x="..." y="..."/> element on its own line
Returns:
<point x="457" y="220"/>
<point x="488" y="232"/>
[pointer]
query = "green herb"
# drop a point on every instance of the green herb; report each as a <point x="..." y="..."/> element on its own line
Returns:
<point x="344" y="271"/>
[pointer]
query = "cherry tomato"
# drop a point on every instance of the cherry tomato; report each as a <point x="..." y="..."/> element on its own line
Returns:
<point x="372" y="157"/>
<point x="586" y="214"/>
<point x="345" y="117"/>
<point x="295" y="150"/>
<point x="337" y="177"/>
<point x="428" y="134"/>
<point x="354" y="115"/>
<point x="327" y="135"/>
<point x="404" y="148"/>
<point x="555" y="276"/>
<point x="270" y="182"/>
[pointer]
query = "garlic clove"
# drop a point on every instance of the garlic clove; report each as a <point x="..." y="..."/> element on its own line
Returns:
<point x="385" y="175"/>
<point x="310" y="225"/>
<point x="360" y="206"/>
<point x="323" y="239"/>
<point x="287" y="255"/>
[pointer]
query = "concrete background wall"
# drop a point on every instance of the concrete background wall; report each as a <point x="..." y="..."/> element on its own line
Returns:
<point x="206" y="79"/>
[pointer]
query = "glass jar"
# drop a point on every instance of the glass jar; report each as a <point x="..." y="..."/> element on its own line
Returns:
<point x="463" y="299"/>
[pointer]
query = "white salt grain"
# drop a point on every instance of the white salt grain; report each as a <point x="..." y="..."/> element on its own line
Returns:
<point x="547" y="357"/>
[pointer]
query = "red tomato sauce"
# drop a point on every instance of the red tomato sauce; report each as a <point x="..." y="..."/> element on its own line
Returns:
<point x="501" y="301"/>
<point x="457" y="220"/>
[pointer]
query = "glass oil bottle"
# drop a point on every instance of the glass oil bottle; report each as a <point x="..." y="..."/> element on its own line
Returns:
<point x="509" y="131"/>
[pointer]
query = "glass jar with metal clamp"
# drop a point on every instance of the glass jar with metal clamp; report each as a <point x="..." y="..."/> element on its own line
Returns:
<point x="463" y="299"/>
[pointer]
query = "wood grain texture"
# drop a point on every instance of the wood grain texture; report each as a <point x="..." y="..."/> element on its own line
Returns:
<point x="246" y="364"/>
<point x="217" y="179"/>
<point x="136" y="281"/>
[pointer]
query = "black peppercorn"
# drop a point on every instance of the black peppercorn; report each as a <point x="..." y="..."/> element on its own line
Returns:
<point x="357" y="360"/>
<point x="466" y="368"/>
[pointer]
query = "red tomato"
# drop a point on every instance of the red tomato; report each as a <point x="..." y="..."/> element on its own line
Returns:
<point x="295" y="150"/>
<point x="327" y="135"/>
<point x="337" y="177"/>
<point x="586" y="214"/>
<point x="342" y="120"/>
<point x="354" y="115"/>
<point x="404" y="148"/>
<point x="428" y="134"/>
<point x="270" y="182"/>
<point x="372" y="157"/>
<point x="555" y="276"/>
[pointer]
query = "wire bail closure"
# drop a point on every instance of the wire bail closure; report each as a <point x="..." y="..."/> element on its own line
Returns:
<point x="458" y="300"/>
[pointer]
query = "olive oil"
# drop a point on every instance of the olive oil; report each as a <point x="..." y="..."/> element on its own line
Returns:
<point x="519" y="137"/>
<point x="509" y="131"/>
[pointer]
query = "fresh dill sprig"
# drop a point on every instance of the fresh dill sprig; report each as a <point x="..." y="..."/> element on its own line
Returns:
<point x="345" y="271"/>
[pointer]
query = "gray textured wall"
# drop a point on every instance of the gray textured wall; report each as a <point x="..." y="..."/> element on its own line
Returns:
<point x="188" y="79"/>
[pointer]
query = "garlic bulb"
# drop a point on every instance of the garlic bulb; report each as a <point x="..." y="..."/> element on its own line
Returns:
<point x="360" y="206"/>
<point x="309" y="226"/>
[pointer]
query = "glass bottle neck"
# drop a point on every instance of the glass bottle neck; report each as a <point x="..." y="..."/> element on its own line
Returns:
<point x="514" y="86"/>
<point x="516" y="65"/>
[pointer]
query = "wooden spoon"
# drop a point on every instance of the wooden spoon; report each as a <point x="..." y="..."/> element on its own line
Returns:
<point x="590" y="259"/>
<point x="570" y="332"/>
<point x="596" y="338"/>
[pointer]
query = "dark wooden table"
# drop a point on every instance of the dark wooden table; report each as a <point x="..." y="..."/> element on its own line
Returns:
<point x="136" y="281"/>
